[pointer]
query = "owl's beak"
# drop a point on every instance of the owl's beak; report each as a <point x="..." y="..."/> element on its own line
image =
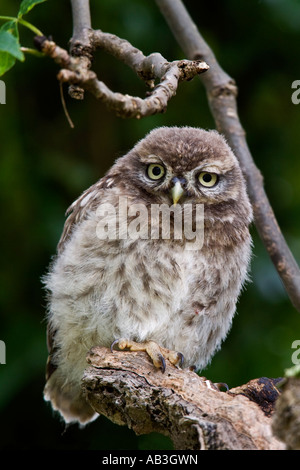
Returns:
<point x="176" y="192"/>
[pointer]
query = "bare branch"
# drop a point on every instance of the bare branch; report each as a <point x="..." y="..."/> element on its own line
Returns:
<point x="222" y="92"/>
<point x="125" y="387"/>
<point x="79" y="45"/>
<point x="76" y="67"/>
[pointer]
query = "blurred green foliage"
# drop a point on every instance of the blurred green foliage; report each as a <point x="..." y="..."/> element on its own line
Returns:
<point x="45" y="165"/>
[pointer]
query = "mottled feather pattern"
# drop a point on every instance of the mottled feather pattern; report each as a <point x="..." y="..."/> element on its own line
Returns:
<point x="79" y="209"/>
<point x="171" y="291"/>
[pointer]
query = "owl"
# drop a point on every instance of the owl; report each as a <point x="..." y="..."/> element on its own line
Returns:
<point x="152" y="257"/>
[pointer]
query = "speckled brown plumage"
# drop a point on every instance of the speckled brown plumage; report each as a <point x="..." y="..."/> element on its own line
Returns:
<point x="180" y="295"/>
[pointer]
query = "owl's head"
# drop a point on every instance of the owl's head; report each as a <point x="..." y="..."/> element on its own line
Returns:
<point x="181" y="165"/>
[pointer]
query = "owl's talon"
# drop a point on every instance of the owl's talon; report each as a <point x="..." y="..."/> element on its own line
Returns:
<point x="162" y="363"/>
<point x="181" y="359"/>
<point x="221" y="385"/>
<point x="157" y="354"/>
<point x="116" y="341"/>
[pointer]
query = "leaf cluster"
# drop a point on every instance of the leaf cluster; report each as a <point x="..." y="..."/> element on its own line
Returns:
<point x="10" y="47"/>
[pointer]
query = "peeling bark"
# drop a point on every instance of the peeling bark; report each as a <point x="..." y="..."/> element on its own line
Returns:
<point x="128" y="390"/>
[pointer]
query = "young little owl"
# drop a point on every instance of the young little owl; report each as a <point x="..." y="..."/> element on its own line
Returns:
<point x="130" y="271"/>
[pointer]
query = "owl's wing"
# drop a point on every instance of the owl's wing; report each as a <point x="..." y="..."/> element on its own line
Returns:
<point x="78" y="211"/>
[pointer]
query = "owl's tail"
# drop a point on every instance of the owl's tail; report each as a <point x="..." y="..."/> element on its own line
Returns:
<point x="68" y="400"/>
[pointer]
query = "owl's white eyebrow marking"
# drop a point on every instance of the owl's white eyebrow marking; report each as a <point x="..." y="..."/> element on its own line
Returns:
<point x="216" y="167"/>
<point x="150" y="159"/>
<point x="209" y="167"/>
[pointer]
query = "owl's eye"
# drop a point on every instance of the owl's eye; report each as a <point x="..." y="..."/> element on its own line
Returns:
<point x="155" y="171"/>
<point x="208" y="179"/>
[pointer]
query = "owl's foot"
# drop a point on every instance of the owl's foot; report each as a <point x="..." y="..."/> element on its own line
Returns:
<point x="157" y="353"/>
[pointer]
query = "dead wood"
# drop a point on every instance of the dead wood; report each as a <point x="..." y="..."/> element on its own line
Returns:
<point x="128" y="390"/>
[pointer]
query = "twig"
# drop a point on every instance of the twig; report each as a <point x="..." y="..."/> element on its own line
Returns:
<point x="65" y="106"/>
<point x="222" y="92"/>
<point x="79" y="45"/>
<point x="76" y="67"/>
<point x="81" y="17"/>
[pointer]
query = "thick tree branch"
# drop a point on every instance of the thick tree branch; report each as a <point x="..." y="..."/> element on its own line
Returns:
<point x="222" y="92"/>
<point x="126" y="388"/>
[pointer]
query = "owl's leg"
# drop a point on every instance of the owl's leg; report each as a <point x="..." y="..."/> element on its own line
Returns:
<point x="157" y="353"/>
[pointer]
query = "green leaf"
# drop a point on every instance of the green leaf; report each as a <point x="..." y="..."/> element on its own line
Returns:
<point x="10" y="44"/>
<point x="11" y="27"/>
<point x="27" y="5"/>
<point x="7" y="61"/>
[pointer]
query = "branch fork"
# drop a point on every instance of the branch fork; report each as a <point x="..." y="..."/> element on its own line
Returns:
<point x="154" y="67"/>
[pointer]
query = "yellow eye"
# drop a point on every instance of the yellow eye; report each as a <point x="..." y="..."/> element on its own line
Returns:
<point x="208" y="179"/>
<point x="155" y="171"/>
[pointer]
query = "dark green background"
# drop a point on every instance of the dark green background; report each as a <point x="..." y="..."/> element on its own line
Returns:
<point x="45" y="165"/>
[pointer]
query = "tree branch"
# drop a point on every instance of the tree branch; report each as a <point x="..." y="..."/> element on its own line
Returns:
<point x="286" y="419"/>
<point x="81" y="17"/>
<point x="125" y="387"/>
<point x="222" y="92"/>
<point x="76" y="67"/>
<point x="79" y="45"/>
